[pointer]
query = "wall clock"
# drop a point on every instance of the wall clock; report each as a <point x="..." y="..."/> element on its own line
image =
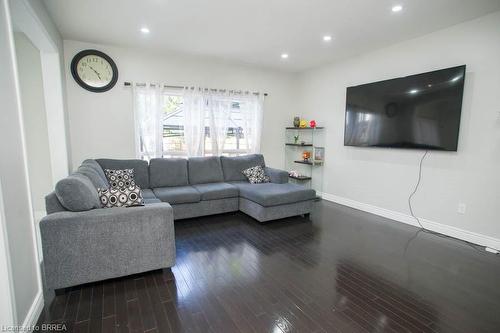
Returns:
<point x="94" y="70"/>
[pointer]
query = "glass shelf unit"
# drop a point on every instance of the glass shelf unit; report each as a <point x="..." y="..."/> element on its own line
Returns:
<point x="300" y="140"/>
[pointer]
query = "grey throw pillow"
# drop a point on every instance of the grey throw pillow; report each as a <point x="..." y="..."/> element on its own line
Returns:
<point x="125" y="196"/>
<point x="120" y="178"/>
<point x="256" y="175"/>
<point x="77" y="193"/>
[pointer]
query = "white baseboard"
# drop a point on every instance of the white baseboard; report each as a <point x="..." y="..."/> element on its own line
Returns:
<point x="465" y="235"/>
<point x="33" y="313"/>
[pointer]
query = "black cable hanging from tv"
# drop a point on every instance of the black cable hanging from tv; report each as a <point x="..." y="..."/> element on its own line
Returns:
<point x="476" y="247"/>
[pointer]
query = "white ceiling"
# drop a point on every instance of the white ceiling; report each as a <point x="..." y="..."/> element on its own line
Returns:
<point x="258" y="31"/>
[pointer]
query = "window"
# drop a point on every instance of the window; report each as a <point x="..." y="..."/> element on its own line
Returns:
<point x="195" y="122"/>
<point x="173" y="129"/>
<point x="173" y="126"/>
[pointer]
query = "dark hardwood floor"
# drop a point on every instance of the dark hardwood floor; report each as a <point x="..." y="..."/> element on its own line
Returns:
<point x="343" y="271"/>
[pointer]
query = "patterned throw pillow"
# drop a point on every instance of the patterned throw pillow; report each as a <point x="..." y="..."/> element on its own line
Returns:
<point x="256" y="175"/>
<point x="125" y="196"/>
<point x="120" y="178"/>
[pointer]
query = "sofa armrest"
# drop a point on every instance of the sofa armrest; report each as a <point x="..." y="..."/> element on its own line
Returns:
<point x="82" y="247"/>
<point x="277" y="176"/>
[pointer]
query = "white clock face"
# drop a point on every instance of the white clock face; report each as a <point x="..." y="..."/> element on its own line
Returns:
<point x="95" y="71"/>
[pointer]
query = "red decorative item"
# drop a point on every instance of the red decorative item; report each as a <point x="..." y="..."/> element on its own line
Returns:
<point x="312" y="124"/>
<point x="306" y="155"/>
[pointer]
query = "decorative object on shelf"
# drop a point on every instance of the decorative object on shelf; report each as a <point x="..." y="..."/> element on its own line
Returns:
<point x="296" y="139"/>
<point x="294" y="174"/>
<point x="296" y="121"/>
<point x="299" y="154"/>
<point x="306" y="155"/>
<point x="319" y="154"/>
<point x="312" y="123"/>
<point x="305" y="128"/>
<point x="94" y="71"/>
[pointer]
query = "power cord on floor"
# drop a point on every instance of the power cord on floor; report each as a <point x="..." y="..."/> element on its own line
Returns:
<point x="422" y="228"/>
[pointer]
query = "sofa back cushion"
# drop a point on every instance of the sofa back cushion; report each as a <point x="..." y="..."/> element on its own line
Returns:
<point x="168" y="172"/>
<point x="204" y="170"/>
<point x="141" y="169"/>
<point x="95" y="166"/>
<point x="77" y="193"/>
<point x="93" y="176"/>
<point x="232" y="167"/>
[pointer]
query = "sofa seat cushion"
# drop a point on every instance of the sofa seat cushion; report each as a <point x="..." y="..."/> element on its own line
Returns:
<point x="213" y="191"/>
<point x="148" y="193"/>
<point x="149" y="197"/>
<point x="151" y="201"/>
<point x="271" y="194"/>
<point x="177" y="194"/>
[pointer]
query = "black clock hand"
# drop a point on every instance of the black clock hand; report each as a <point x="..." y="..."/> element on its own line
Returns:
<point x="92" y="68"/>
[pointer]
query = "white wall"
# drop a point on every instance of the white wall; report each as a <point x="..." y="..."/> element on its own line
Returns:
<point x="385" y="177"/>
<point x="35" y="119"/>
<point x="22" y="299"/>
<point x="17" y="218"/>
<point x="101" y="124"/>
<point x="31" y="18"/>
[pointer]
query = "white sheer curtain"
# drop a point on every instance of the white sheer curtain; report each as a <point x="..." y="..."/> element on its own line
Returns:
<point x="201" y="108"/>
<point x="219" y="109"/>
<point x="195" y="103"/>
<point x="148" y="121"/>
<point x="252" y="109"/>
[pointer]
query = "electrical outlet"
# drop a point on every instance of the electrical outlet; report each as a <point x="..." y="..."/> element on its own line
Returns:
<point x="461" y="208"/>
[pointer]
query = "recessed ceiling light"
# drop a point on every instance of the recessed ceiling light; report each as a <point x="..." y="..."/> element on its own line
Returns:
<point x="145" y="30"/>
<point x="284" y="56"/>
<point x="397" y="8"/>
<point x="413" y="91"/>
<point x="327" y="38"/>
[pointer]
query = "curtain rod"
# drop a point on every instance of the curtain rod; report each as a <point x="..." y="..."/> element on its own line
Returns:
<point x="127" y="84"/>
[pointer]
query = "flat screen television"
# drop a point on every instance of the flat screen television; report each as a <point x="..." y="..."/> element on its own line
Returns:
<point x="419" y="111"/>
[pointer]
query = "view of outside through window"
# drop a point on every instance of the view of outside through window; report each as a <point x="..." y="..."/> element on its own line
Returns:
<point x="173" y="130"/>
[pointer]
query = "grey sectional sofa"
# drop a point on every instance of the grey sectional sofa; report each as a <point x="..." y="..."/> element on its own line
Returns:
<point x="98" y="243"/>
<point x="201" y="186"/>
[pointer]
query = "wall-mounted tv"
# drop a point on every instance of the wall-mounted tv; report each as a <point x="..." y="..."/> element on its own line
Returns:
<point x="419" y="111"/>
